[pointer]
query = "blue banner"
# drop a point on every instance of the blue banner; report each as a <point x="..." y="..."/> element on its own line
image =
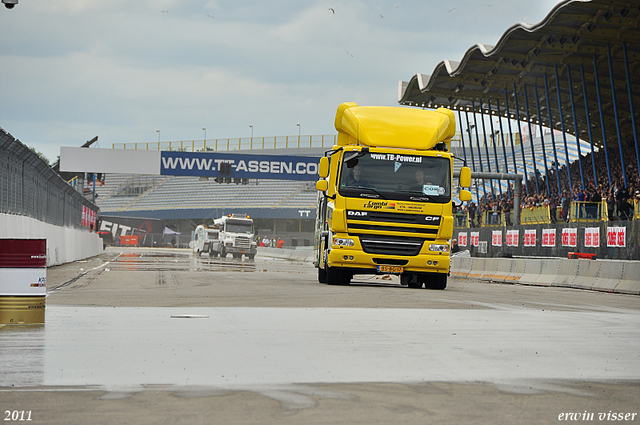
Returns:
<point x="250" y="166"/>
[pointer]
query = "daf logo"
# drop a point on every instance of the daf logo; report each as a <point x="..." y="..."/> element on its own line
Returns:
<point x="357" y="213"/>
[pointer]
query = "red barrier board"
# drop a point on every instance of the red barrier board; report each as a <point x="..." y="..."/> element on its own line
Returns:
<point x="19" y="253"/>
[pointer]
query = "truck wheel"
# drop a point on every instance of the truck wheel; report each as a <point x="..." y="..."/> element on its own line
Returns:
<point x="211" y="252"/>
<point x="337" y="277"/>
<point x="436" y="282"/>
<point x="223" y="253"/>
<point x="251" y="256"/>
<point x="237" y="255"/>
<point x="322" y="275"/>
<point x="411" y="281"/>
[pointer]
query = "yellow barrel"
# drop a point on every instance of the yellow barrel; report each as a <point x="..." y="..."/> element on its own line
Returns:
<point x="23" y="281"/>
<point x="21" y="310"/>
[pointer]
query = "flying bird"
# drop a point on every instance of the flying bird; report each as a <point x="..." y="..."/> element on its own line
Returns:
<point x="210" y="16"/>
<point x="398" y="7"/>
<point x="381" y="16"/>
<point x="334" y="12"/>
<point x="349" y="53"/>
<point x="165" y="11"/>
<point x="452" y="9"/>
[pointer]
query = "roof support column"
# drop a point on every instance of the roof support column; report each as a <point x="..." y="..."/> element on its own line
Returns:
<point x="544" y="152"/>
<point x="615" y="114"/>
<point x="486" y="148"/>
<point x="513" y="149"/>
<point x="533" y="154"/>
<point x="564" y="130"/>
<point x="553" y="139"/>
<point x="464" y="152"/>
<point x="475" y="125"/>
<point x="524" y="162"/>
<point x="504" y="147"/>
<point x="493" y="141"/>
<point x="473" y="161"/>
<point x="586" y="110"/>
<point x="604" y="133"/>
<point x="633" y="119"/>
<point x="575" y="124"/>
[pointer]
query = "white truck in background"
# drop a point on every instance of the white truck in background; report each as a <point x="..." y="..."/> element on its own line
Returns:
<point x="230" y="234"/>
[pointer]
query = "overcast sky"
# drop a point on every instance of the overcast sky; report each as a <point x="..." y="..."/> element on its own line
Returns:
<point x="122" y="69"/>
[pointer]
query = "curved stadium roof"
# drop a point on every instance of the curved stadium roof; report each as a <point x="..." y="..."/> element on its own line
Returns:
<point x="579" y="42"/>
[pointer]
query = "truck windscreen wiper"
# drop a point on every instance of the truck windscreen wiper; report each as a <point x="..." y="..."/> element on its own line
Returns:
<point x="367" y="195"/>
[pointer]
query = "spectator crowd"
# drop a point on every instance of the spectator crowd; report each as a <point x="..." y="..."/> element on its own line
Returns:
<point x="619" y="197"/>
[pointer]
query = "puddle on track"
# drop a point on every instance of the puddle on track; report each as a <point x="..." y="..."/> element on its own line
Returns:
<point x="177" y="261"/>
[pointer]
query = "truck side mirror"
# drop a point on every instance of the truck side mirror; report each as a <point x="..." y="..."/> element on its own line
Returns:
<point x="465" y="195"/>
<point x="324" y="167"/>
<point x="465" y="177"/>
<point x="322" y="185"/>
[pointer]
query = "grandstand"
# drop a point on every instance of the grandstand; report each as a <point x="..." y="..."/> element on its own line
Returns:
<point x="281" y="208"/>
<point x="183" y="197"/>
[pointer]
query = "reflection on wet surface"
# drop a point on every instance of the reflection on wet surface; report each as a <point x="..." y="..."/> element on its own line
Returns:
<point x="177" y="261"/>
<point x="224" y="347"/>
<point x="21" y="355"/>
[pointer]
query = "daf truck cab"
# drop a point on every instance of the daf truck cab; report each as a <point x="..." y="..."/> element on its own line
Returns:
<point x="385" y="196"/>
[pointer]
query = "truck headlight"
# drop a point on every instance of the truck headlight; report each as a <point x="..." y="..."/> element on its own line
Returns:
<point x="438" y="248"/>
<point x="343" y="242"/>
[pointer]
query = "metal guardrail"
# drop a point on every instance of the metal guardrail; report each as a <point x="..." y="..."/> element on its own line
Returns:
<point x="588" y="212"/>
<point x="536" y="215"/>
<point x="247" y="143"/>
<point x="580" y="212"/>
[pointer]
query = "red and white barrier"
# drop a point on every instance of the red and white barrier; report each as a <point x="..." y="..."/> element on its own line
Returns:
<point x="23" y="280"/>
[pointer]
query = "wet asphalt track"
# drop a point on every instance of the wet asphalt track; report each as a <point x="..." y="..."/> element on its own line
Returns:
<point x="135" y="329"/>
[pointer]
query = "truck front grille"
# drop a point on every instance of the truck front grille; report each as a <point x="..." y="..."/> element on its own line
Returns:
<point x="386" y="245"/>
<point x="410" y="229"/>
<point x="243" y="242"/>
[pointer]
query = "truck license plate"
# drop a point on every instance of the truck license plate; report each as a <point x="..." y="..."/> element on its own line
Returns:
<point x="390" y="269"/>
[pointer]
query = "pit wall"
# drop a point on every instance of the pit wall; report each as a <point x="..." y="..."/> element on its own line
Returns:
<point x="64" y="244"/>
<point x="597" y="275"/>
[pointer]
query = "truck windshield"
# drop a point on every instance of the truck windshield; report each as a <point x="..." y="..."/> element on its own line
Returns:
<point x="239" y="227"/>
<point x="396" y="176"/>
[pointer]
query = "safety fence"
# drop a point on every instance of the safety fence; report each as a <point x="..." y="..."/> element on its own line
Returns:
<point x="605" y="240"/>
<point x="29" y="187"/>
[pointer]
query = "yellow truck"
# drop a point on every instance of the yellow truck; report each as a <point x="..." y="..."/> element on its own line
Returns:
<point x="385" y="196"/>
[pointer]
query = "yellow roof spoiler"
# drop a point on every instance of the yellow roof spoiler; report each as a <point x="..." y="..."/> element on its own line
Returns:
<point x="394" y="127"/>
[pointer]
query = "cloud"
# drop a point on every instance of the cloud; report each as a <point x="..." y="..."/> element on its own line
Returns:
<point x="122" y="69"/>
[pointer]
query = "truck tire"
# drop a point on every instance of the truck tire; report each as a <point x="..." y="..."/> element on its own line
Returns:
<point x="211" y="251"/>
<point x="438" y="282"/>
<point x="223" y="253"/>
<point x="322" y="275"/>
<point x="236" y="255"/>
<point x="411" y="281"/>
<point x="337" y="276"/>
<point x="251" y="256"/>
